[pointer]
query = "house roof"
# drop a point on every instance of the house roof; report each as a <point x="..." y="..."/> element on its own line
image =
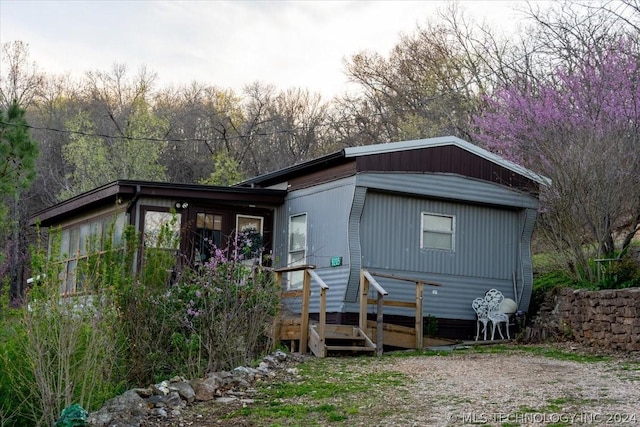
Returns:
<point x="125" y="190"/>
<point x="349" y="153"/>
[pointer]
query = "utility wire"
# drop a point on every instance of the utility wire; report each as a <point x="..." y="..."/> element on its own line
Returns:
<point x="155" y="139"/>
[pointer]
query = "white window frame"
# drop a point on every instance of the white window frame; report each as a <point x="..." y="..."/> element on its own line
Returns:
<point x="295" y="278"/>
<point x="425" y="229"/>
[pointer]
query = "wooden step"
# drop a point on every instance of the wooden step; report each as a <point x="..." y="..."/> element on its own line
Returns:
<point x="349" y="348"/>
<point x="342" y="337"/>
<point x="339" y="338"/>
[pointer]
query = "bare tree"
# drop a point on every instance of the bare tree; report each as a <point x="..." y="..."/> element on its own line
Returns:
<point x="20" y="78"/>
<point x="117" y="135"/>
<point x="280" y="128"/>
<point x="429" y="85"/>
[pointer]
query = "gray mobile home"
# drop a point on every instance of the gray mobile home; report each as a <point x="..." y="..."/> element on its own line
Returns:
<point x="441" y="211"/>
<point x="438" y="211"/>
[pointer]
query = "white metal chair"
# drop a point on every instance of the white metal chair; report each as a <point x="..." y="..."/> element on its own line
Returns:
<point x="494" y="299"/>
<point x="481" y="307"/>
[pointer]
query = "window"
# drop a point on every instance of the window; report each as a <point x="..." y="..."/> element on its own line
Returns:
<point x="80" y="240"/>
<point x="297" y="248"/>
<point x="438" y="231"/>
<point x="161" y="241"/>
<point x="248" y="223"/>
<point x="161" y="230"/>
<point x="209" y="231"/>
<point x="250" y="237"/>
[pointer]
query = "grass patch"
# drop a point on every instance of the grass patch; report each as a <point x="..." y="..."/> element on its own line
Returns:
<point x="546" y="351"/>
<point x="563" y="355"/>
<point x="327" y="391"/>
<point x="418" y="353"/>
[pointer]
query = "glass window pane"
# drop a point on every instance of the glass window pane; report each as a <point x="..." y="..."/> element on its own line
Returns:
<point x="71" y="276"/>
<point x="217" y="222"/>
<point x="247" y="223"/>
<point x="200" y="220"/>
<point x="437" y="240"/>
<point x="84" y="238"/>
<point x="81" y="270"/>
<point x="208" y="222"/>
<point x="438" y="231"/>
<point x="64" y="244"/>
<point x="161" y="230"/>
<point x="118" y="229"/>
<point x="96" y="235"/>
<point x="297" y="232"/>
<point x="438" y="223"/>
<point x="296" y="277"/>
<point x="296" y="258"/>
<point x="73" y="242"/>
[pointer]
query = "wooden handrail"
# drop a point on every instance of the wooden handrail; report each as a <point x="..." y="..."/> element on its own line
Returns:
<point x="365" y="280"/>
<point x="305" y="293"/>
<point x="293" y="268"/>
<point x="322" y="315"/>
<point x="417" y="305"/>
<point x="317" y="278"/>
<point x="375" y="284"/>
<point x="406" y="279"/>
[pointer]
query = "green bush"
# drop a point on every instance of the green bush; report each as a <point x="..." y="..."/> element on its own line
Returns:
<point x="13" y="411"/>
<point x="130" y="329"/>
<point x="213" y="317"/>
<point x="620" y="274"/>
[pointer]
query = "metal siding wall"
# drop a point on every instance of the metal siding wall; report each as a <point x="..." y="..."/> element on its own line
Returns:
<point x="486" y="255"/>
<point x="327" y="207"/>
<point x="486" y="239"/>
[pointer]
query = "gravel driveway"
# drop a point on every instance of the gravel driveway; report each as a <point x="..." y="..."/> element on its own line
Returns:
<point x="507" y="388"/>
<point x="517" y="389"/>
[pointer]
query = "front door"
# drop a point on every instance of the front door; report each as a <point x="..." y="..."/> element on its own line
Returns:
<point x="207" y="234"/>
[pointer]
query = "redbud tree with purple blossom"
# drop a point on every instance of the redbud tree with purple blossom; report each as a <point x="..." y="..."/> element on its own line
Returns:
<point x="578" y="127"/>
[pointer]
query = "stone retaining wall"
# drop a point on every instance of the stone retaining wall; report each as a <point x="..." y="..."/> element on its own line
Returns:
<point x="608" y="318"/>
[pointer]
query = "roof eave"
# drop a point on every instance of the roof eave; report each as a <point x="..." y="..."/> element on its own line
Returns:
<point x="283" y="174"/>
<point x="125" y="189"/>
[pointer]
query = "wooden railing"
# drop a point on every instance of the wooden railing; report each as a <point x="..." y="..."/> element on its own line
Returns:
<point x="416" y="306"/>
<point x="305" y="293"/>
<point x="365" y="280"/>
<point x="399" y="336"/>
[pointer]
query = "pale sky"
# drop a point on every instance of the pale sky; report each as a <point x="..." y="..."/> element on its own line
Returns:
<point x="227" y="44"/>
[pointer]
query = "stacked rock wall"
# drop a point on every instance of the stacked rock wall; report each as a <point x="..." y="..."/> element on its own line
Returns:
<point x="608" y="318"/>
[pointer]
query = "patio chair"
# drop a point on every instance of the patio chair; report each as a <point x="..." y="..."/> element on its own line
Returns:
<point x="481" y="307"/>
<point x="494" y="299"/>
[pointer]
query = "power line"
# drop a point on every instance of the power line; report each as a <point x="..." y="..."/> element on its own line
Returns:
<point x="177" y="140"/>
<point x="151" y="139"/>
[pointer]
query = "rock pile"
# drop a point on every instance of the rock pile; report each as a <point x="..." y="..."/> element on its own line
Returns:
<point x="545" y="324"/>
<point x="168" y="398"/>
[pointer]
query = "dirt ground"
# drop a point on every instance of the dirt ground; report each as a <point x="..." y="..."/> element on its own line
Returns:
<point x="469" y="388"/>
